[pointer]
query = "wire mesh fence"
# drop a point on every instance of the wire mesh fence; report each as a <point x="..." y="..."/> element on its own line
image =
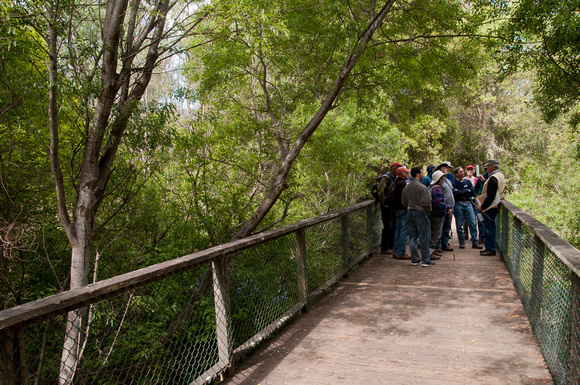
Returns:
<point x="187" y="321"/>
<point x="544" y="269"/>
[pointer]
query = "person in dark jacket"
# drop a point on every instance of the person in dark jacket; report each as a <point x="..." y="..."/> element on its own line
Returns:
<point x="479" y="182"/>
<point x="401" y="235"/>
<point x="427" y="179"/>
<point x="464" y="194"/>
<point x="418" y="201"/>
<point x="493" y="193"/>
<point x="439" y="210"/>
<point x="387" y="215"/>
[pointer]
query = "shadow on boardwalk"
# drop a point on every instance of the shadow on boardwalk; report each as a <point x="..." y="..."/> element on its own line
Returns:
<point x="460" y="322"/>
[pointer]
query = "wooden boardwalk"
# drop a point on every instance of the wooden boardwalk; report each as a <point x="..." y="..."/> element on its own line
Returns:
<point x="460" y="322"/>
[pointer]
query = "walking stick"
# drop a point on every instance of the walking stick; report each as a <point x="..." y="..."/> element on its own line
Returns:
<point x="451" y="235"/>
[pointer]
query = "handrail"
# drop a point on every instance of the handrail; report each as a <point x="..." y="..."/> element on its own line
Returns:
<point x="72" y="299"/>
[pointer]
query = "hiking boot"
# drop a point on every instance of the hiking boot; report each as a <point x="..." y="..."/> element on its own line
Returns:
<point x="440" y="251"/>
<point x="427" y="264"/>
<point x="490" y="253"/>
<point x="435" y="256"/>
<point x="406" y="256"/>
<point x="477" y="246"/>
<point x="447" y="248"/>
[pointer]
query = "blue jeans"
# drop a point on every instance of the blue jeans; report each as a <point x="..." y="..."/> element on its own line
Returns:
<point x="419" y="232"/>
<point x="464" y="210"/>
<point x="445" y="231"/>
<point x="489" y="224"/>
<point x="401" y="233"/>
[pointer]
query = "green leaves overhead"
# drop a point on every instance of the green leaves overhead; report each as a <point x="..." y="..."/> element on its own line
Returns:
<point x="546" y="35"/>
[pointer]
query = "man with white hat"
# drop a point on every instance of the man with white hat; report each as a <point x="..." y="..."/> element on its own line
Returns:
<point x="493" y="192"/>
<point x="447" y="186"/>
<point x="439" y="210"/>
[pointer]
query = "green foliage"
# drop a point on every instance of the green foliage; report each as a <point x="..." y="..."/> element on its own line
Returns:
<point x="32" y="244"/>
<point x="546" y="36"/>
<point x="549" y="183"/>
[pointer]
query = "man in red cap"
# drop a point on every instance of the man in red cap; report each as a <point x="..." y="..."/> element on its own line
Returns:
<point x="400" y="210"/>
<point x="469" y="171"/>
<point x="387" y="215"/>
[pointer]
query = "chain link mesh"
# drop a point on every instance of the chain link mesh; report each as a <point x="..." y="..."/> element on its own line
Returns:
<point x="545" y="285"/>
<point x="188" y="328"/>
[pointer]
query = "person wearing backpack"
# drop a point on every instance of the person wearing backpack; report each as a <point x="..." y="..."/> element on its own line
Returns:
<point x="447" y="187"/>
<point x="395" y="203"/>
<point x="385" y="182"/>
<point x="439" y="210"/>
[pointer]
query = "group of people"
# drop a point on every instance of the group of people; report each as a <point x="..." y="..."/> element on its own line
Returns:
<point x="418" y="208"/>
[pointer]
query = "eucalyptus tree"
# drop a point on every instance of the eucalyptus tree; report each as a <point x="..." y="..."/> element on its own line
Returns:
<point x="280" y="68"/>
<point x="100" y="59"/>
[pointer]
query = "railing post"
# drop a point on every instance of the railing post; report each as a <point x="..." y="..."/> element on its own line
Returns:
<point x="345" y="242"/>
<point x="505" y="235"/>
<point x="537" y="282"/>
<point x="302" y="271"/>
<point x="516" y="249"/>
<point x="12" y="357"/>
<point x="574" y="362"/>
<point x="223" y="313"/>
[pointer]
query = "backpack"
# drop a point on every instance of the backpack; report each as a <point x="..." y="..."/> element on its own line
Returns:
<point x="384" y="187"/>
<point x="375" y="188"/>
<point x="390" y="193"/>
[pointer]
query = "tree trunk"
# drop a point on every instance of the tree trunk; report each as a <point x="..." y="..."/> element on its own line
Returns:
<point x="122" y="84"/>
<point x="79" y="275"/>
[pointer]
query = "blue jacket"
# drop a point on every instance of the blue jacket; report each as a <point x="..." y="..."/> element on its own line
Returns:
<point x="427" y="179"/>
<point x="463" y="191"/>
